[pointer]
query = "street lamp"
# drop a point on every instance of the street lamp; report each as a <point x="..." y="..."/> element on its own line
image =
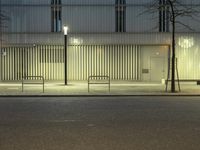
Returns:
<point x="65" y="28"/>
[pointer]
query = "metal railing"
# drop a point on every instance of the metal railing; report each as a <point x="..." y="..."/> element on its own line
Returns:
<point x="98" y="80"/>
<point x="30" y="79"/>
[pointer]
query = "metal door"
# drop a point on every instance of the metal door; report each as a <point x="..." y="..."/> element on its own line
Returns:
<point x="157" y="69"/>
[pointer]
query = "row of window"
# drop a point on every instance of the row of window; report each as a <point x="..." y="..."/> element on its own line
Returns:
<point x="56" y="21"/>
<point x="120" y="13"/>
<point x="163" y="16"/>
<point x="120" y="16"/>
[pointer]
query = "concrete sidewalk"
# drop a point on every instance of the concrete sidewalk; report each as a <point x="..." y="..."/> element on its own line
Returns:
<point x="80" y="88"/>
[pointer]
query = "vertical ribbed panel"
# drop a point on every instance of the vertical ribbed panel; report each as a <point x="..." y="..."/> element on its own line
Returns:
<point x="41" y="60"/>
<point x="188" y="62"/>
<point x="120" y="62"/>
<point x="117" y="61"/>
<point x="138" y="63"/>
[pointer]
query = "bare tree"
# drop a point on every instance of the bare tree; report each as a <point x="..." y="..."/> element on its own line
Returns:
<point x="3" y="20"/>
<point x="175" y="9"/>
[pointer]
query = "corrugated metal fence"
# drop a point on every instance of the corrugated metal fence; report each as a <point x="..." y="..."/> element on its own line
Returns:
<point x="120" y="62"/>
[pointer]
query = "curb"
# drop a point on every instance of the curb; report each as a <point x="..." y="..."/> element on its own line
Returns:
<point x="132" y="95"/>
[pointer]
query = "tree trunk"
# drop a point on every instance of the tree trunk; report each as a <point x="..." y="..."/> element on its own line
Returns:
<point x="173" y="89"/>
<point x="173" y="58"/>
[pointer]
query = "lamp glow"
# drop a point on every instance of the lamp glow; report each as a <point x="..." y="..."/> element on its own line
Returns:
<point x="65" y="29"/>
<point x="186" y="42"/>
<point x="76" y="41"/>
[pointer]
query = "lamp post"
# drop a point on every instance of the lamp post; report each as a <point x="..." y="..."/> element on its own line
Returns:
<point x="65" y="28"/>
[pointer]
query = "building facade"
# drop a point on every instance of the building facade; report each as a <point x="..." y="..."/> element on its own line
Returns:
<point x="118" y="38"/>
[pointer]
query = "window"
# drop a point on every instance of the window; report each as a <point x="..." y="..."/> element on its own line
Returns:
<point x="56" y="25"/>
<point x="163" y="16"/>
<point x="120" y="14"/>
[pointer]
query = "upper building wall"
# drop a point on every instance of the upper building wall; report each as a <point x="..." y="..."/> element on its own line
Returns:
<point x="80" y="2"/>
<point x="89" y="19"/>
<point x="27" y="19"/>
<point x="138" y="21"/>
<point x="24" y="2"/>
<point x="87" y="16"/>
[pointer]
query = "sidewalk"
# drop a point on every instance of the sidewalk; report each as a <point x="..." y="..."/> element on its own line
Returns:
<point x="80" y="88"/>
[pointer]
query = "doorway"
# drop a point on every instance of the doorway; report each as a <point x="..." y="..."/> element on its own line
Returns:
<point x="157" y="69"/>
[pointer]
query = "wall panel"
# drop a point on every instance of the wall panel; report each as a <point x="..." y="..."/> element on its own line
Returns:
<point x="84" y="19"/>
<point x="82" y="61"/>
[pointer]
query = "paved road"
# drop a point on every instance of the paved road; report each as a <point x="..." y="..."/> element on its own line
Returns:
<point x="100" y="123"/>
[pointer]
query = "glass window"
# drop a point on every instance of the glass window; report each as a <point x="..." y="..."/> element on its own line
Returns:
<point x="120" y="15"/>
<point x="163" y="16"/>
<point x="56" y="20"/>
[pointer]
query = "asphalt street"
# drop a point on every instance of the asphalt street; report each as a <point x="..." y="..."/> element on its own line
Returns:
<point x="100" y="123"/>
